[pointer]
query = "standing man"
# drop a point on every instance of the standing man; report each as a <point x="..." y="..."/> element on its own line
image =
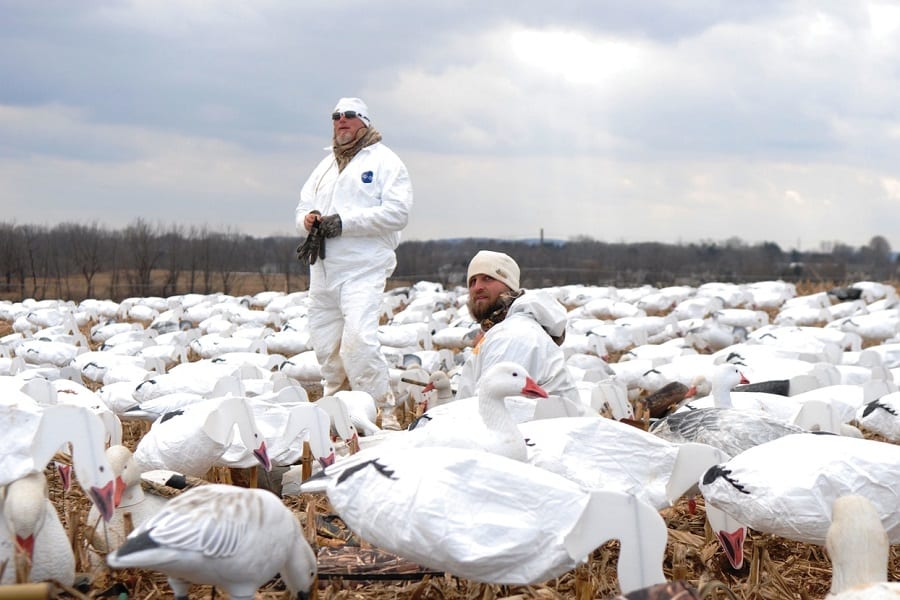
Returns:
<point x="525" y="327"/>
<point x="352" y="209"/>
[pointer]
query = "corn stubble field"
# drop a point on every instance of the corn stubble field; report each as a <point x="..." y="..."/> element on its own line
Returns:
<point x="774" y="568"/>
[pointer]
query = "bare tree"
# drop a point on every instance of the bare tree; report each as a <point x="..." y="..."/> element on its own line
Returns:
<point x="143" y="245"/>
<point x="174" y="246"/>
<point x="225" y="258"/>
<point x="36" y="258"/>
<point x="86" y="244"/>
<point x="12" y="257"/>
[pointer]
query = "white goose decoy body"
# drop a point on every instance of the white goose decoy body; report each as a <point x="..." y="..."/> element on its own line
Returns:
<point x="32" y="436"/>
<point x="601" y="453"/>
<point x="490" y="429"/>
<point x="501" y="520"/>
<point x="34" y="522"/>
<point x="234" y="538"/>
<point x="787" y="486"/>
<point x="193" y="440"/>
<point x="490" y="426"/>
<point x="882" y="416"/>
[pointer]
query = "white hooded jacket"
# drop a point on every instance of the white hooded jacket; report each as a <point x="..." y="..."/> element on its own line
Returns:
<point x="373" y="195"/>
<point x="523" y="337"/>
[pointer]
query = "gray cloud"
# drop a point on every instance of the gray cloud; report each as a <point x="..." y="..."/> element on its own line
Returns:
<point x="637" y="121"/>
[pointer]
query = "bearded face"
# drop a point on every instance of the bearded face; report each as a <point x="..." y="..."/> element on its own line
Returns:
<point x="482" y="307"/>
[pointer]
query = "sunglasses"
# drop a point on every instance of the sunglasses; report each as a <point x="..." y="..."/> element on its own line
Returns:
<point x="349" y="114"/>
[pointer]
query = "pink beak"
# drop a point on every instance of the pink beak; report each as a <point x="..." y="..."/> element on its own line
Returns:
<point x="65" y="475"/>
<point x="532" y="389"/>
<point x="263" y="457"/>
<point x="733" y="545"/>
<point x="120" y="489"/>
<point x="104" y="499"/>
<point x="27" y="545"/>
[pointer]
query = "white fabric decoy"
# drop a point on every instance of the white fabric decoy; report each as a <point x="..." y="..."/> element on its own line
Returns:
<point x="882" y="416"/>
<point x="488" y="427"/>
<point x="34" y="522"/>
<point x="596" y="453"/>
<point x="360" y="408"/>
<point x="787" y="486"/>
<point x="194" y="439"/>
<point x="234" y="538"/>
<point x="303" y="367"/>
<point x="32" y="436"/>
<point x="199" y="377"/>
<point x="502" y="521"/>
<point x="284" y="429"/>
<point x="488" y="424"/>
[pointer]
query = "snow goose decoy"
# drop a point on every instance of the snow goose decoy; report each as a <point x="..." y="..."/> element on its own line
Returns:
<point x="359" y="406"/>
<point x="601" y="453"/>
<point x="34" y="522"/>
<point x="32" y="436"/>
<point x="731" y="430"/>
<point x="438" y="390"/>
<point x="491" y="402"/>
<point x="234" y="538"/>
<point x="285" y="427"/>
<point x="490" y="426"/>
<point x="486" y="425"/>
<point x="804" y="409"/>
<point x="130" y="498"/>
<point x="858" y="548"/>
<point x="502" y="522"/>
<point x="193" y="440"/>
<point x="882" y="416"/>
<point x="786" y="487"/>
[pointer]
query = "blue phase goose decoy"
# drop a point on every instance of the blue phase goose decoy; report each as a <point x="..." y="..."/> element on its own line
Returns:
<point x="731" y="430"/>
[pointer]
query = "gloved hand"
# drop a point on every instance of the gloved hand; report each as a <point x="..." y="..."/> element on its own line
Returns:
<point x="313" y="247"/>
<point x="330" y="226"/>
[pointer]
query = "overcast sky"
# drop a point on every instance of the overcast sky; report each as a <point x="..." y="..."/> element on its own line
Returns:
<point x="626" y="121"/>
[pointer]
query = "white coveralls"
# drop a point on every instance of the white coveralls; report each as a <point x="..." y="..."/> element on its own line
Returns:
<point x="373" y="196"/>
<point x="522" y="337"/>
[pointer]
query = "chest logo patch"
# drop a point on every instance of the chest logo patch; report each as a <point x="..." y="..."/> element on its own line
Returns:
<point x="367" y="177"/>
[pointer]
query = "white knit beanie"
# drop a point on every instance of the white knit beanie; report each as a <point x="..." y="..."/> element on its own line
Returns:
<point x="498" y="265"/>
<point x="345" y="104"/>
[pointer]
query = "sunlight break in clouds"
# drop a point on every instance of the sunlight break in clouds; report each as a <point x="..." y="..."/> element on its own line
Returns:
<point x="575" y="57"/>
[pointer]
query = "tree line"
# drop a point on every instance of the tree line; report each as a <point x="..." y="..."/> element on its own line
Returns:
<point x="75" y="261"/>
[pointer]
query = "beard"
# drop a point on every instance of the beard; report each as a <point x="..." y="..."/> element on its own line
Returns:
<point x="344" y="137"/>
<point x="483" y="310"/>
